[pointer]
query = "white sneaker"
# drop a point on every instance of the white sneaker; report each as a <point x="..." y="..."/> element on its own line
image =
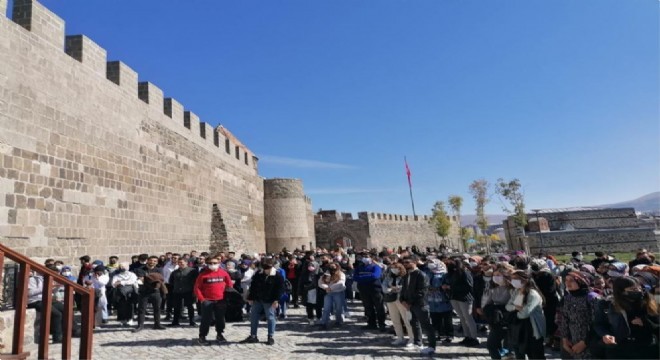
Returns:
<point x="130" y="323"/>
<point x="310" y="321"/>
<point x="399" y="342"/>
<point x="411" y="346"/>
<point x="427" y="351"/>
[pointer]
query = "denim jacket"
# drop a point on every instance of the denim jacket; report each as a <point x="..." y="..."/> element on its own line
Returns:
<point x="437" y="298"/>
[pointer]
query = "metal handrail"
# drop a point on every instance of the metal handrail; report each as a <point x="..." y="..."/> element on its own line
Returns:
<point x="26" y="267"/>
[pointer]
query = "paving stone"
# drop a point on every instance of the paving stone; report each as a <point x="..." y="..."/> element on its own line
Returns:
<point x="294" y="339"/>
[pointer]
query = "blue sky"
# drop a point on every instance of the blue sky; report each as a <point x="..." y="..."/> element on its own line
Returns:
<point x="562" y="94"/>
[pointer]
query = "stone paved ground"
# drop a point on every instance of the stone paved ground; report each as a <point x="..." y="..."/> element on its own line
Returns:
<point x="294" y="339"/>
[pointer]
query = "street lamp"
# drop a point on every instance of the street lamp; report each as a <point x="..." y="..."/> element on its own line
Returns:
<point x="538" y="221"/>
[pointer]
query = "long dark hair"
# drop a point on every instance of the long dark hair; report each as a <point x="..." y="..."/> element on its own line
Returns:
<point x="459" y="265"/>
<point x="529" y="284"/>
<point x="619" y="286"/>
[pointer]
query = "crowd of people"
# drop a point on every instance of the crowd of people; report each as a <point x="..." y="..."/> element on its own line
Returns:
<point x="602" y="309"/>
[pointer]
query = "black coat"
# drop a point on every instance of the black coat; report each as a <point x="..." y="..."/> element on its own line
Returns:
<point x="266" y="288"/>
<point x="414" y="288"/>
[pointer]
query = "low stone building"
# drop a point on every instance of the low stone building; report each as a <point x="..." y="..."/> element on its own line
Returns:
<point x="377" y="230"/>
<point x="560" y="231"/>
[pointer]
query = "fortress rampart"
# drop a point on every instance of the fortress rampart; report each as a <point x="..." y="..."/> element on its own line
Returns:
<point x="583" y="229"/>
<point x="377" y="230"/>
<point x="288" y="215"/>
<point x="95" y="160"/>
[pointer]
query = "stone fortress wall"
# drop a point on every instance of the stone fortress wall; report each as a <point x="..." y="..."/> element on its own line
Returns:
<point x="584" y="229"/>
<point x="94" y="161"/>
<point x="377" y="230"/>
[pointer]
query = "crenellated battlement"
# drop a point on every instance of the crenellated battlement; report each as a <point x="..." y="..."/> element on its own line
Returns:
<point x="333" y="215"/>
<point x="49" y="29"/>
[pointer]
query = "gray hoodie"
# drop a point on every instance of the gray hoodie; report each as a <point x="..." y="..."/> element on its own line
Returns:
<point x="35" y="288"/>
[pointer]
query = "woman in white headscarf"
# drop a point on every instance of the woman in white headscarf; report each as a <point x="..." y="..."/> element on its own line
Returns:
<point x="125" y="284"/>
<point x="439" y="302"/>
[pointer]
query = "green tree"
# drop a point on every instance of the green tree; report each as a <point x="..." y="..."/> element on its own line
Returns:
<point x="479" y="191"/>
<point x="440" y="220"/>
<point x="455" y="203"/>
<point x="513" y="192"/>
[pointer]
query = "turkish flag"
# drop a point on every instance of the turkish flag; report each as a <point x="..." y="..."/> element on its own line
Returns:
<point x="408" y="172"/>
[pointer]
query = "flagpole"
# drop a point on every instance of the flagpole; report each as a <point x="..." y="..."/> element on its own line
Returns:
<point x="412" y="200"/>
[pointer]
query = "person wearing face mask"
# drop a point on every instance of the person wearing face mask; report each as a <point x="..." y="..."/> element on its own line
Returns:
<point x="398" y="314"/>
<point x="266" y="290"/>
<point x="414" y="289"/>
<point x="66" y="272"/>
<point x="210" y="292"/>
<point x="493" y="306"/>
<point x="307" y="288"/>
<point x="98" y="281"/>
<point x="628" y="325"/>
<point x="320" y="292"/>
<point x="577" y="314"/>
<point x="438" y="300"/>
<point x="577" y="259"/>
<point x="368" y="279"/>
<point x="547" y="283"/>
<point x="334" y="285"/>
<point x="527" y="332"/>
<point x="125" y="294"/>
<point x="293" y="270"/>
<point x="478" y="288"/>
<point x="183" y="282"/>
<point x="459" y="284"/>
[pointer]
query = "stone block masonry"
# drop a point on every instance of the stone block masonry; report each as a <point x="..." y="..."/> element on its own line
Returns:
<point x="377" y="230"/>
<point x="94" y="162"/>
<point x="288" y="215"/>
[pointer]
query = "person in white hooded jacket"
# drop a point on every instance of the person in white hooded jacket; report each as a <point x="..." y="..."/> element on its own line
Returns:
<point x="98" y="280"/>
<point x="126" y="286"/>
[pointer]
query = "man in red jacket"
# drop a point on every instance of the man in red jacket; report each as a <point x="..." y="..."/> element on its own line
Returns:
<point x="210" y="292"/>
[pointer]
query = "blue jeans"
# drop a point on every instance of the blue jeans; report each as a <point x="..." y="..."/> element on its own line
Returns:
<point x="334" y="300"/>
<point x="255" y="313"/>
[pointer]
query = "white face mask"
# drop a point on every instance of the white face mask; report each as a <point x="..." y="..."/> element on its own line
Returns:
<point x="473" y="264"/>
<point x="579" y="257"/>
<point x="66" y="273"/>
<point x="487" y="278"/>
<point x="517" y="283"/>
<point x="366" y="261"/>
<point x="395" y="271"/>
<point x="59" y="267"/>
<point x="214" y="267"/>
<point x="499" y="280"/>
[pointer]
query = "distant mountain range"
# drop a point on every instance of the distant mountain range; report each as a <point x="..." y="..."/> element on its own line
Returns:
<point x="646" y="203"/>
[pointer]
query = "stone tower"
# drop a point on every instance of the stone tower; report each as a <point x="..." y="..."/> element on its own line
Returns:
<point x="288" y="217"/>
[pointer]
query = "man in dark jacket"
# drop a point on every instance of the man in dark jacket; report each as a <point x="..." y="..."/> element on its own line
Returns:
<point x="265" y="291"/>
<point x="182" y="281"/>
<point x="149" y="292"/>
<point x="367" y="276"/>
<point x="413" y="297"/>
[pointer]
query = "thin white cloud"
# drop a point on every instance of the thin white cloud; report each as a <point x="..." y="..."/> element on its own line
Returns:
<point x="301" y="163"/>
<point x="341" y="191"/>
